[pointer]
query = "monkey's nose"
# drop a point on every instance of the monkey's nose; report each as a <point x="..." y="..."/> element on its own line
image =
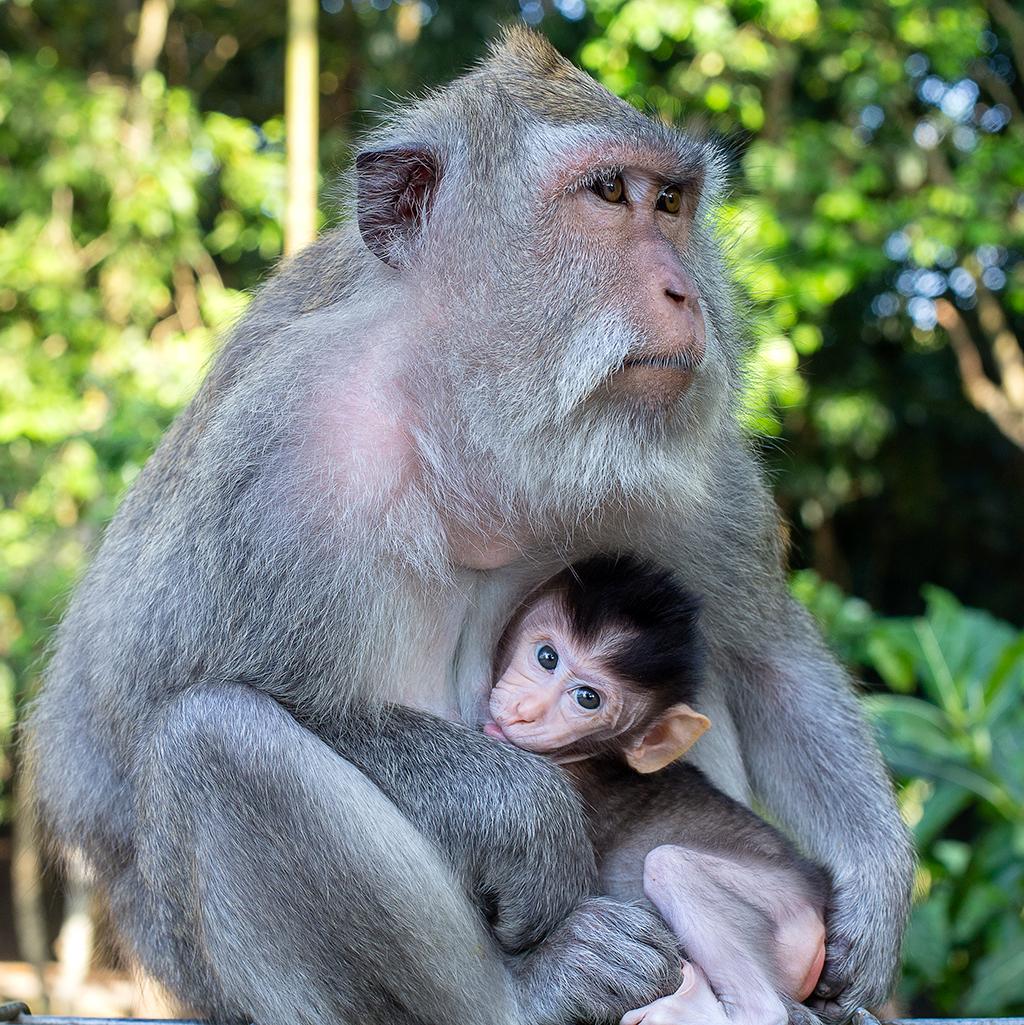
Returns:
<point x="526" y="711"/>
<point x="676" y="282"/>
<point x="680" y="312"/>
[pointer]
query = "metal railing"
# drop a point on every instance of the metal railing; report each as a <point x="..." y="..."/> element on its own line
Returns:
<point x="18" y="1013"/>
<point x="862" y="1017"/>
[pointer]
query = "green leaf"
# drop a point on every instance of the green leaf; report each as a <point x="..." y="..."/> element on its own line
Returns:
<point x="929" y="937"/>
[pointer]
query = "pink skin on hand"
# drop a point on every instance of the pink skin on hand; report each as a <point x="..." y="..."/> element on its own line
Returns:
<point x="694" y="1003"/>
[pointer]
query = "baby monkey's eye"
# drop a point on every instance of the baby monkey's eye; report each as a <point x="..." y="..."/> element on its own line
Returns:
<point x="670" y="199"/>
<point x="547" y="657"/>
<point x="587" y="698"/>
<point x="611" y="190"/>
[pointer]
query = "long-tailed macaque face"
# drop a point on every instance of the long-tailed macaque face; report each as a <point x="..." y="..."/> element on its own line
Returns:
<point x="607" y="279"/>
<point x="563" y="689"/>
<point x="570" y="301"/>
<point x="641" y="209"/>
<point x="556" y="691"/>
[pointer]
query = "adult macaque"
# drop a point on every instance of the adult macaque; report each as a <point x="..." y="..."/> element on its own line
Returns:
<point x="599" y="671"/>
<point x="520" y="348"/>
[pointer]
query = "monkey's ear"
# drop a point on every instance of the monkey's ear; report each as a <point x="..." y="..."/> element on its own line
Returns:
<point x="394" y="190"/>
<point x="668" y="739"/>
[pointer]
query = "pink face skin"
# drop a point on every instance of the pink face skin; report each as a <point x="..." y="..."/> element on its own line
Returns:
<point x="648" y="224"/>
<point x="555" y="691"/>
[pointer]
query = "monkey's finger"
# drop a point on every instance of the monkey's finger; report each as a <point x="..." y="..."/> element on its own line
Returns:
<point x="830" y="1010"/>
<point x="835" y="975"/>
<point x="827" y="1000"/>
<point x="827" y="1004"/>
<point x="798" y="1014"/>
<point x="833" y="980"/>
<point x="633" y="1017"/>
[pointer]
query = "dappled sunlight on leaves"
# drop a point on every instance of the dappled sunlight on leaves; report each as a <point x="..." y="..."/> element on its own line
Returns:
<point x="111" y="304"/>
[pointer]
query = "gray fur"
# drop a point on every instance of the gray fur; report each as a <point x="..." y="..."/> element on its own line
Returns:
<point x="676" y="822"/>
<point x="251" y="569"/>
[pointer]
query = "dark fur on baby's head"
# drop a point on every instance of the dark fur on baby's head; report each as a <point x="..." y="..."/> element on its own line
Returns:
<point x="661" y="652"/>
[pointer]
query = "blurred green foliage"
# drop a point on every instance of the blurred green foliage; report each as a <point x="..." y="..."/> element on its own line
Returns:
<point x="120" y="210"/>
<point x="878" y="188"/>
<point x="951" y="725"/>
<point x="877" y="216"/>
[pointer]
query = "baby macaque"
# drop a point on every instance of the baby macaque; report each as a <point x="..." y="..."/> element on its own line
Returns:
<point x="598" y="670"/>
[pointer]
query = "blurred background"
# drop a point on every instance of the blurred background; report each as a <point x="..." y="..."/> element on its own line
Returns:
<point x="877" y="220"/>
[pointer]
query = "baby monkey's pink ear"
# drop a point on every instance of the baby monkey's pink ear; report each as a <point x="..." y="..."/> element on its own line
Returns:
<point x="669" y="738"/>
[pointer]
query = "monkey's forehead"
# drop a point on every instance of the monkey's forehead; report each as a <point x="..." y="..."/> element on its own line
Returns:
<point x="549" y="611"/>
<point x="525" y="69"/>
<point x="545" y="610"/>
<point x="567" y="156"/>
<point x="526" y="100"/>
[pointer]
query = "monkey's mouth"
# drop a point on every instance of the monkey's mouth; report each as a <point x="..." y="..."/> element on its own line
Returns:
<point x="677" y="361"/>
<point x="497" y="732"/>
<point x="492" y="729"/>
<point x="654" y="380"/>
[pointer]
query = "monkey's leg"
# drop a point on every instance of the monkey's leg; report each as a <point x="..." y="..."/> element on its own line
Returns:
<point x="796" y="949"/>
<point x="293" y="884"/>
<point x="278" y="883"/>
<point x="727" y="936"/>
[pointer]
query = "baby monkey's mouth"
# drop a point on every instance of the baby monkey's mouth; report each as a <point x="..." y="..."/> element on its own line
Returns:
<point x="497" y="732"/>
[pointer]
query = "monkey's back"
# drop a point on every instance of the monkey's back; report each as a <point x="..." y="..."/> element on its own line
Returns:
<point x="139" y="627"/>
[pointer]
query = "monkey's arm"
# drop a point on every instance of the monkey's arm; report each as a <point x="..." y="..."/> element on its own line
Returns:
<point x="456" y="786"/>
<point x="808" y="754"/>
<point x="370" y="848"/>
<point x="814" y="765"/>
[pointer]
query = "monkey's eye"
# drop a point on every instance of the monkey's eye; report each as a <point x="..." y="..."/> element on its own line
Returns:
<point x="547" y="657"/>
<point x="670" y="199"/>
<point x="587" y="698"/>
<point x="611" y="190"/>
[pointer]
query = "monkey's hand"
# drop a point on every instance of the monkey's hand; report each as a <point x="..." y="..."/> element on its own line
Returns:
<point x="603" y="960"/>
<point x="862" y="952"/>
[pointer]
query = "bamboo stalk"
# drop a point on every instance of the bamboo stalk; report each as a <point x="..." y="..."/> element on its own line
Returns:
<point x="302" y="117"/>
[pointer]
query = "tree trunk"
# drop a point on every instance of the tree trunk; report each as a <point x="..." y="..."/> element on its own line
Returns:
<point x="301" y="123"/>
